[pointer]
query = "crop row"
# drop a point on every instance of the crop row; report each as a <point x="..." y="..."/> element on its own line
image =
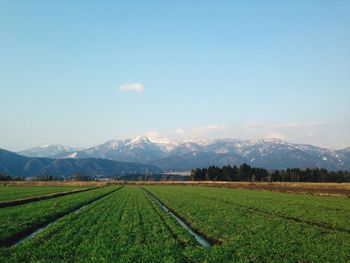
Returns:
<point x="330" y="212"/>
<point x="20" y="220"/>
<point x="250" y="236"/>
<point x="126" y="226"/>
<point x="17" y="192"/>
<point x="129" y="226"/>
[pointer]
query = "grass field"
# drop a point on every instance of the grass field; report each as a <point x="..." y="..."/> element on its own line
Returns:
<point x="17" y="192"/>
<point x="126" y="224"/>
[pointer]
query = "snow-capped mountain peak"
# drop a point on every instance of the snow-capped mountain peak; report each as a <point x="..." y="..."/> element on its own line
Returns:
<point x="186" y="154"/>
<point x="139" y="140"/>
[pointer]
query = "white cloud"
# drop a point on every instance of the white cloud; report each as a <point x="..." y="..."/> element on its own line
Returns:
<point x="316" y="124"/>
<point x="180" y="131"/>
<point x="153" y="134"/>
<point x="298" y="125"/>
<point x="209" y="128"/>
<point x="133" y="87"/>
<point x="309" y="134"/>
<point x="252" y="124"/>
<point x="274" y="135"/>
<point x="287" y="125"/>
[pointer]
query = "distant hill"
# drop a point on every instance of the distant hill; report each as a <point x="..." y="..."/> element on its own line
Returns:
<point x="172" y="155"/>
<point x="16" y="165"/>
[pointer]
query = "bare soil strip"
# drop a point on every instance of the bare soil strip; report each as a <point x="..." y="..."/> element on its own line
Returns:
<point x="41" y="197"/>
<point x="35" y="229"/>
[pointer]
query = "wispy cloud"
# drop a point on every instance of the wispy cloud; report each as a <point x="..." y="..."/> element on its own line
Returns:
<point x="274" y="135"/>
<point x="287" y="125"/>
<point x="209" y="128"/>
<point x="132" y="87"/>
<point x="153" y="134"/>
<point x="180" y="131"/>
<point x="317" y="123"/>
<point x="252" y="124"/>
<point x="298" y="125"/>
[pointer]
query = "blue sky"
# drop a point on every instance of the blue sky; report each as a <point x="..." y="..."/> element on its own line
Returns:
<point x="82" y="72"/>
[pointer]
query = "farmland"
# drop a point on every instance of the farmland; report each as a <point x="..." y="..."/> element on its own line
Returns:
<point x="16" y="192"/>
<point x="126" y="224"/>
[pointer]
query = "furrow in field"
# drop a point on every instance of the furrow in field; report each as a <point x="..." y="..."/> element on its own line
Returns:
<point x="41" y="198"/>
<point x="31" y="217"/>
<point x="201" y="238"/>
<point x="326" y="226"/>
<point x="250" y="236"/>
<point x="74" y="237"/>
<point x="10" y="192"/>
<point x="110" y="230"/>
<point x="141" y="223"/>
<point x="130" y="226"/>
<point x="183" y="242"/>
<point x="327" y="212"/>
<point x="74" y="210"/>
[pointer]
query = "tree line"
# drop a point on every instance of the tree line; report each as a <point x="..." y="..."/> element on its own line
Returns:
<point x="247" y="173"/>
<point x="243" y="173"/>
<point x="74" y="177"/>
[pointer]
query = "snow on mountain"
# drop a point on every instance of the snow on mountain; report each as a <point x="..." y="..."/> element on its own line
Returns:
<point x="72" y="155"/>
<point x="344" y="156"/>
<point x="268" y="153"/>
<point x="140" y="149"/>
<point x="49" y="151"/>
<point x="186" y="154"/>
<point x="17" y="165"/>
<point x="165" y="144"/>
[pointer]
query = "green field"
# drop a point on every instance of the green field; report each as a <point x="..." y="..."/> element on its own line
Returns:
<point x="21" y="219"/>
<point x="126" y="224"/>
<point x="17" y="192"/>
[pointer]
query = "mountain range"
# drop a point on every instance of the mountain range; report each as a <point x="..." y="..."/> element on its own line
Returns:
<point x="181" y="155"/>
<point x="17" y="165"/>
<point x="50" y="151"/>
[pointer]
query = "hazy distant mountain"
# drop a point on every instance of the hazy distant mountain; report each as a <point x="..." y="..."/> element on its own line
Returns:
<point x="16" y="165"/>
<point x="345" y="156"/>
<point x="197" y="159"/>
<point x="49" y="151"/>
<point x="186" y="154"/>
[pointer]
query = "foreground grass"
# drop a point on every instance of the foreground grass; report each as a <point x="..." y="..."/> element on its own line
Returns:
<point x="18" y="220"/>
<point x="249" y="226"/>
<point x="123" y="227"/>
